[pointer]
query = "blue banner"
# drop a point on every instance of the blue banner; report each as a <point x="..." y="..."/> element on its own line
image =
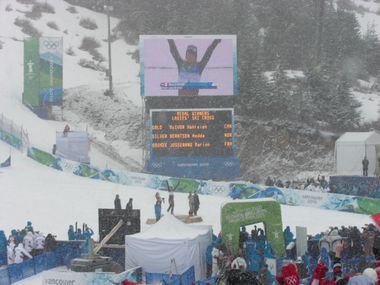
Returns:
<point x="196" y="167"/>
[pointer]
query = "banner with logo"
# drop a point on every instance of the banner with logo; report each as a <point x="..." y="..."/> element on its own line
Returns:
<point x="73" y="146"/>
<point x="50" y="53"/>
<point x="90" y="278"/>
<point x="31" y="73"/>
<point x="43" y="71"/>
<point x="234" y="190"/>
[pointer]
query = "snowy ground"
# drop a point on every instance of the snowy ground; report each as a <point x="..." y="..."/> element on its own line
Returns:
<point x="371" y="16"/>
<point x="52" y="200"/>
<point x="370" y="103"/>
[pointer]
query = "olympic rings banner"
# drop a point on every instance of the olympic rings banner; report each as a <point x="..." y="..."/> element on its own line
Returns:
<point x="43" y="71"/>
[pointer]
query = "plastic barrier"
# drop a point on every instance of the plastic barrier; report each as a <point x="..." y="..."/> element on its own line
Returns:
<point x="12" y="134"/>
<point x="4" y="278"/>
<point x="40" y="263"/>
<point x="64" y="251"/>
<point x="185" y="278"/>
<point x="27" y="268"/>
<point x="15" y="272"/>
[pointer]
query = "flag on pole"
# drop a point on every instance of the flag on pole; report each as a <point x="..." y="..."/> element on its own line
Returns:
<point x="376" y="219"/>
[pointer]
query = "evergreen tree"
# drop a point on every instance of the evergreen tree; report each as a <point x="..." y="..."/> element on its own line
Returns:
<point x="371" y="51"/>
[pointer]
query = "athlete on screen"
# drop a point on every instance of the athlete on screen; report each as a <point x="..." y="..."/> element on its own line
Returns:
<point x="189" y="69"/>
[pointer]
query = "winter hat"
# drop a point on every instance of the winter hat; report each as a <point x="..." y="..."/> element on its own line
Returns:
<point x="360" y="280"/>
<point x="371" y="273"/>
<point x="289" y="275"/>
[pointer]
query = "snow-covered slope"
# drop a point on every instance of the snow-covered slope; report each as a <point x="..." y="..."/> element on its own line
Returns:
<point x="370" y="14"/>
<point x="52" y="200"/>
<point x="77" y="81"/>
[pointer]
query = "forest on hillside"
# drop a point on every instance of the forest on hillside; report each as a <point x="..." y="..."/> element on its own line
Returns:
<point x="320" y="39"/>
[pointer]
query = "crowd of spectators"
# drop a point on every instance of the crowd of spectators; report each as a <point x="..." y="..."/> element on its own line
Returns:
<point x="319" y="184"/>
<point x="346" y="255"/>
<point x="76" y="233"/>
<point x="24" y="244"/>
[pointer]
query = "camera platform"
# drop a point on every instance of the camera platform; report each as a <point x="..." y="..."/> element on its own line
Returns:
<point x="184" y="218"/>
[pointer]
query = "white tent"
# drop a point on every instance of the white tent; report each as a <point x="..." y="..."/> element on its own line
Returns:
<point x="169" y="246"/>
<point x="350" y="150"/>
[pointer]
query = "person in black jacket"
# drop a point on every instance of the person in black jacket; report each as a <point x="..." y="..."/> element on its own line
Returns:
<point x="117" y="202"/>
<point x="365" y="164"/>
<point x="129" y="206"/>
<point x="171" y="196"/>
<point x="50" y="243"/>
<point x="196" y="203"/>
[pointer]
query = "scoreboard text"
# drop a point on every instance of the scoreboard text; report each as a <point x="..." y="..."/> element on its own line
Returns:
<point x="191" y="132"/>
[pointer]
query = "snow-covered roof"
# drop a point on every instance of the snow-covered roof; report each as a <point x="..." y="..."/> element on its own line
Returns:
<point x="170" y="228"/>
<point x="359" y="137"/>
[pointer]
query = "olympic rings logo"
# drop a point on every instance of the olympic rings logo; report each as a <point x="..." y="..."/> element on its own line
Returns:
<point x="51" y="44"/>
<point x="157" y="165"/>
<point x="229" y="163"/>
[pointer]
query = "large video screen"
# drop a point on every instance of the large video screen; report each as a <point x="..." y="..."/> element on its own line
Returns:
<point x="191" y="132"/>
<point x="188" y="65"/>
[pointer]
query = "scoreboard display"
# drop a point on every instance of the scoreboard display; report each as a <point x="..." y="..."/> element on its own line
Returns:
<point x="191" y="132"/>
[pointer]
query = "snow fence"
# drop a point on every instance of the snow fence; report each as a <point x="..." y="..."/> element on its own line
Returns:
<point x="13" y="134"/>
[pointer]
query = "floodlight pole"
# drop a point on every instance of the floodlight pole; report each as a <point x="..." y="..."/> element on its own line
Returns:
<point x="109" y="8"/>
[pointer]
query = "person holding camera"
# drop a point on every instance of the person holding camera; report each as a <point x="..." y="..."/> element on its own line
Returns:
<point x="50" y="242"/>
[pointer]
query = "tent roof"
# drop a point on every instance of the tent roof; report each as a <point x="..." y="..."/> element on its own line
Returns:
<point x="170" y="228"/>
<point x="358" y="137"/>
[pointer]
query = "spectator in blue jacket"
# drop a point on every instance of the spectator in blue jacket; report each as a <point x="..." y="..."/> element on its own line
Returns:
<point x="88" y="232"/>
<point x="29" y="227"/>
<point x="3" y="248"/>
<point x="79" y="235"/>
<point x="71" y="233"/>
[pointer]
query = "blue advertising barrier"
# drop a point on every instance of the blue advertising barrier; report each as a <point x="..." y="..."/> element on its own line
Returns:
<point x="196" y="167"/>
<point x="15" y="272"/>
<point x="27" y="268"/>
<point x="51" y="259"/>
<point x="40" y="263"/>
<point x="10" y="139"/>
<point x="185" y="278"/>
<point x="4" y="278"/>
<point x="65" y="251"/>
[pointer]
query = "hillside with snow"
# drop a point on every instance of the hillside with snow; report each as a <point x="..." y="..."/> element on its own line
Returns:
<point x="82" y="85"/>
<point x="282" y="149"/>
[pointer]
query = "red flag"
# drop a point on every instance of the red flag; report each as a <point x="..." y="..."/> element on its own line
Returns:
<point x="376" y="219"/>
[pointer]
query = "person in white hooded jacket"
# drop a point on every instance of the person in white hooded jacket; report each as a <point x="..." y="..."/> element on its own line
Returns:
<point x="39" y="243"/>
<point x="21" y="254"/>
<point x="11" y="252"/>
<point x="28" y="242"/>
